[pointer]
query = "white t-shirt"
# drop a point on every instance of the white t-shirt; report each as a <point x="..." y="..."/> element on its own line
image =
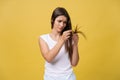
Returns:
<point x="60" y="66"/>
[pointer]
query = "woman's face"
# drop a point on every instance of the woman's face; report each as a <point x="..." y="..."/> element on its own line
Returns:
<point x="60" y="23"/>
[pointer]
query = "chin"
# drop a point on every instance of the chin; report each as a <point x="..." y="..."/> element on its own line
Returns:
<point x="59" y="30"/>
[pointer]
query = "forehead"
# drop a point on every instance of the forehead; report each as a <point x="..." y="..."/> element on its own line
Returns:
<point x="62" y="17"/>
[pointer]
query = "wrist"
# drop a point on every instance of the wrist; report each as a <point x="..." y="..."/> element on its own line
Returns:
<point x="75" y="44"/>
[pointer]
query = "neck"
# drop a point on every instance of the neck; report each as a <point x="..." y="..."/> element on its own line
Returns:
<point x="55" y="35"/>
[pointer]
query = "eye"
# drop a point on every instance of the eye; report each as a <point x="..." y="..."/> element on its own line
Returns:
<point x="59" y="21"/>
<point x="65" y="22"/>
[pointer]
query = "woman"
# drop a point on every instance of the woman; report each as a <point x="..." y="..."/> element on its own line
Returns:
<point x="60" y="47"/>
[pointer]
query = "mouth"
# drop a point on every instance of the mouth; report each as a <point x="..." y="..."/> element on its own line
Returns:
<point x="61" y="28"/>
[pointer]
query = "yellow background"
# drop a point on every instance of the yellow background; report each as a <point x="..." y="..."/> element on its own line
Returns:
<point x="22" y="21"/>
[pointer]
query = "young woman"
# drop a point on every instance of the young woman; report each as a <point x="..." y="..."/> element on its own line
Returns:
<point x="59" y="47"/>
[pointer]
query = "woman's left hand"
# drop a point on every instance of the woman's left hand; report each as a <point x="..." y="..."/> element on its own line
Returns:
<point x="75" y="38"/>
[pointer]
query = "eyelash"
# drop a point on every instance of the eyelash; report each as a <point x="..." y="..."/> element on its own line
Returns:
<point x="61" y="21"/>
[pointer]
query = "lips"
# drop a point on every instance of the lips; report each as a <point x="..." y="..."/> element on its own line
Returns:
<point x="60" y="28"/>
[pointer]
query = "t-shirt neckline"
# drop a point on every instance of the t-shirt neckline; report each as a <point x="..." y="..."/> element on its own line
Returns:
<point x="51" y="38"/>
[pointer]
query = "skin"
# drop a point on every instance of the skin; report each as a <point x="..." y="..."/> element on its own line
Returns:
<point x="58" y="26"/>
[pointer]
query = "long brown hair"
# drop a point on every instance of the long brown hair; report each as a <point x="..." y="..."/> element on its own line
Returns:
<point x="58" y="12"/>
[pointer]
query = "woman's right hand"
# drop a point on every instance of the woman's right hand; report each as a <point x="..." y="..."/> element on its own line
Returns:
<point x="66" y="35"/>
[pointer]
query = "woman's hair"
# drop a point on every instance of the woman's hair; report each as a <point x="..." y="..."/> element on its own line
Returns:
<point x="58" y="12"/>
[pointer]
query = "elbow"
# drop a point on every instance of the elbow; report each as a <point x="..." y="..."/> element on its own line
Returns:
<point x="74" y="64"/>
<point x="49" y="60"/>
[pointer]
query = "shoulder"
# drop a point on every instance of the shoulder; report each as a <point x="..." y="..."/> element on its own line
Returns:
<point x="43" y="37"/>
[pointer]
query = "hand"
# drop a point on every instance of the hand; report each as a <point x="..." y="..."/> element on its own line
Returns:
<point x="66" y="35"/>
<point x="75" y="38"/>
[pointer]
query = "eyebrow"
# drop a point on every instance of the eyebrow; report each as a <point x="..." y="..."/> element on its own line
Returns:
<point x="62" y="20"/>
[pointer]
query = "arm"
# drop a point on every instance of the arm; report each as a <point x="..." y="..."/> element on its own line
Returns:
<point x="75" y="55"/>
<point x="48" y="54"/>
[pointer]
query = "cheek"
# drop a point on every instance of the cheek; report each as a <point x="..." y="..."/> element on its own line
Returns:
<point x="55" y="23"/>
<point x="65" y="25"/>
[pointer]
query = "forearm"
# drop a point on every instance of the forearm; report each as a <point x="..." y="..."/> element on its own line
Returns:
<point x="75" y="56"/>
<point x="54" y="51"/>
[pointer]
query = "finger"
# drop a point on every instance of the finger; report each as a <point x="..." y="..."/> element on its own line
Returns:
<point x="68" y="31"/>
<point x="68" y="37"/>
<point x="75" y="33"/>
